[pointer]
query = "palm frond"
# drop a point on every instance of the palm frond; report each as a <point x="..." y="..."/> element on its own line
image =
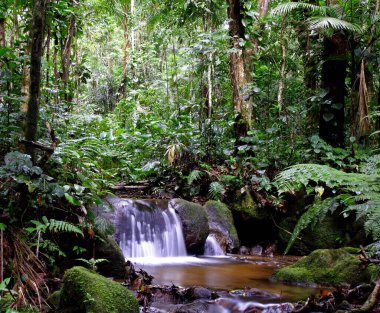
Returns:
<point x="285" y="8"/>
<point x="322" y="22"/>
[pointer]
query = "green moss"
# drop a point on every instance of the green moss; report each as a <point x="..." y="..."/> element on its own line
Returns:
<point x="93" y="293"/>
<point x="326" y="267"/>
<point x="54" y="299"/>
<point x="247" y="205"/>
<point x="220" y="216"/>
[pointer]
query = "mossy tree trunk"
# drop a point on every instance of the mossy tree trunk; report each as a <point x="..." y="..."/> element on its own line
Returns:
<point x="37" y="37"/>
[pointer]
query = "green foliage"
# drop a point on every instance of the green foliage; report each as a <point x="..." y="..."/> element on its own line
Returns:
<point x="216" y="190"/>
<point x="91" y="263"/>
<point x="359" y="193"/>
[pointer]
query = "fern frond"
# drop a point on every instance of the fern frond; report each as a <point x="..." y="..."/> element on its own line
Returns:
<point x="216" y="190"/>
<point x="285" y="8"/>
<point x="314" y="214"/>
<point x="332" y="22"/>
<point x="194" y="175"/>
<point x="62" y="226"/>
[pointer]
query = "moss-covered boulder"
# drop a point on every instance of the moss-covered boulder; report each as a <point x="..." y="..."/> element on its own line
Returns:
<point x="115" y="267"/>
<point x="221" y="225"/>
<point x="86" y="291"/>
<point x="326" y="267"/>
<point x="246" y="204"/>
<point x="195" y="224"/>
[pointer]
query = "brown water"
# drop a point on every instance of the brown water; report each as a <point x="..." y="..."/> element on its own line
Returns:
<point x="228" y="274"/>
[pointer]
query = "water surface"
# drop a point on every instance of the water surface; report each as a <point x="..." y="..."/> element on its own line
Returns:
<point x="225" y="273"/>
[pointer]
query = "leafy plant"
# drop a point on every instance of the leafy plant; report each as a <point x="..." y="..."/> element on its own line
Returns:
<point x="358" y="192"/>
<point x="91" y="263"/>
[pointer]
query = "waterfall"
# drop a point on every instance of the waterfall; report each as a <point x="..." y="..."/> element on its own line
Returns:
<point x="147" y="228"/>
<point x="212" y="246"/>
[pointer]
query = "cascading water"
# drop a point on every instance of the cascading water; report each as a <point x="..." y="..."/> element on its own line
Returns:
<point x="212" y="246"/>
<point x="147" y="229"/>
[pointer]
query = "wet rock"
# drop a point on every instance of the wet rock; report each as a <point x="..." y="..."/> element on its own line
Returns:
<point x="221" y="225"/>
<point x="86" y="291"/>
<point x="256" y="250"/>
<point x="193" y="307"/>
<point x="254" y="293"/>
<point x="115" y="267"/>
<point x="196" y="292"/>
<point x="243" y="250"/>
<point x="327" y="267"/>
<point x="271" y="250"/>
<point x="195" y="224"/>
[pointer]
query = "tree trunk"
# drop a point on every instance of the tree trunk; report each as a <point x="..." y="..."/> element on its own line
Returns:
<point x="126" y="44"/>
<point x="37" y="38"/>
<point x="281" y="84"/>
<point x="2" y="32"/>
<point x="331" y="119"/>
<point x="239" y="74"/>
<point x="66" y="59"/>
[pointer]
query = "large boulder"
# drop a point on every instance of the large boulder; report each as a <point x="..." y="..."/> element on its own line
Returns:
<point x="86" y="291"/>
<point x="221" y="225"/>
<point x="115" y="267"/>
<point x="195" y="224"/>
<point x="327" y="267"/>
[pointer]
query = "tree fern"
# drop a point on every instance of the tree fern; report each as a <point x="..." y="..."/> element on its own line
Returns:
<point x="359" y="192"/>
<point x="328" y="17"/>
<point x="288" y="7"/>
<point x="332" y="22"/>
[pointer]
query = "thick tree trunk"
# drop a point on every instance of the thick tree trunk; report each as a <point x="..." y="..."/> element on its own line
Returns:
<point x="331" y="119"/>
<point x="239" y="74"/>
<point x="37" y="38"/>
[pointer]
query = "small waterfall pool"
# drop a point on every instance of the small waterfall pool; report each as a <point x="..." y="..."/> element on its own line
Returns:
<point x="150" y="235"/>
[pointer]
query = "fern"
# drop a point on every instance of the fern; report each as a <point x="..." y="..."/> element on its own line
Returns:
<point x="62" y="226"/>
<point x="359" y="192"/>
<point x="193" y="176"/>
<point x="216" y="190"/>
<point x="314" y="215"/>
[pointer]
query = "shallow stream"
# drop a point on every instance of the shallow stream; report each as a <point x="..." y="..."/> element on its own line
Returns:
<point x="226" y="273"/>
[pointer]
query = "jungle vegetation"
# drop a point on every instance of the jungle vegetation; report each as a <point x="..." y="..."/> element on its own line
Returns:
<point x="199" y="98"/>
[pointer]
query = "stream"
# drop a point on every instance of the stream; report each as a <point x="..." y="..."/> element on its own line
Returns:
<point x="150" y="235"/>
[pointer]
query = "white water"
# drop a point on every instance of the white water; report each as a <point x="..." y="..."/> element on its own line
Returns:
<point x="146" y="229"/>
<point x="212" y="247"/>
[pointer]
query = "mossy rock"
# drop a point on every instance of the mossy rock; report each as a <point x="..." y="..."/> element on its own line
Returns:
<point x="221" y="224"/>
<point x="247" y="205"/>
<point x="54" y="299"/>
<point x="195" y="224"/>
<point x="332" y="267"/>
<point x="115" y="267"/>
<point x="89" y="292"/>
